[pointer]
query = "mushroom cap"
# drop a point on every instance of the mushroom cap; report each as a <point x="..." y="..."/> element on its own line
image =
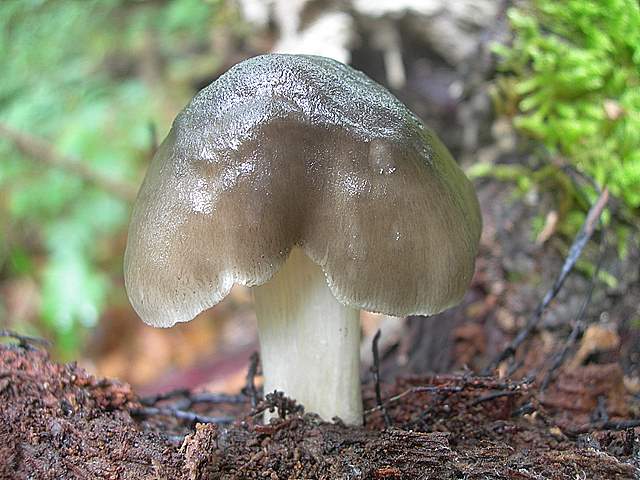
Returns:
<point x="293" y="150"/>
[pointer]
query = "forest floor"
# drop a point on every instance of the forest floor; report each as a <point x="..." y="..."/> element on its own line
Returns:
<point x="57" y="421"/>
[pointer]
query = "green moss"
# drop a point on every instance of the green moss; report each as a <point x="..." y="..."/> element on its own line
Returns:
<point x="571" y="80"/>
<point x="89" y="76"/>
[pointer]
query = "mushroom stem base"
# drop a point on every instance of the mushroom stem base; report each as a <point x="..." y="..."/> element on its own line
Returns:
<point x="309" y="342"/>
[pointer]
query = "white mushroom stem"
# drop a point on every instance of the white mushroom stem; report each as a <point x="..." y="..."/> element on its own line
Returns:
<point x="309" y="342"/>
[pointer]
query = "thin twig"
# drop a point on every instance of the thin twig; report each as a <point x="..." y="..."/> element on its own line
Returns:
<point x="514" y="367"/>
<point x="579" y="326"/>
<point x="250" y="385"/>
<point x="205" y="397"/>
<point x="151" y="400"/>
<point x="493" y="396"/>
<point x="525" y="409"/>
<point x="375" y="369"/>
<point x="585" y="233"/>
<point x="180" y="414"/>
<point x="188" y="399"/>
<point x="604" y="425"/>
<point x="469" y="384"/>
<point x="411" y="391"/>
<point x="42" y="151"/>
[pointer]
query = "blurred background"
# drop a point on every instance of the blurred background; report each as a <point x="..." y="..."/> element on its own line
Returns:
<point x="538" y="100"/>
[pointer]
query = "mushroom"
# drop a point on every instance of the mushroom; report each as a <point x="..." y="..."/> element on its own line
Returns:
<point x="304" y="179"/>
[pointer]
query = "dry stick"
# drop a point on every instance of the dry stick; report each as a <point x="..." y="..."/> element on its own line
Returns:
<point x="514" y="367"/>
<point x="44" y="152"/>
<point x="191" y="398"/>
<point x="180" y="414"/>
<point x="493" y="396"/>
<point x="411" y="391"/>
<point x="151" y="400"/>
<point x="604" y="425"/>
<point x="467" y="385"/>
<point x="205" y="397"/>
<point x="250" y="385"/>
<point x="375" y="369"/>
<point x="579" y="326"/>
<point x="585" y="233"/>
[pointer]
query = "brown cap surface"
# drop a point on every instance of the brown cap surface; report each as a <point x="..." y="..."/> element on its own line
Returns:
<point x="289" y="150"/>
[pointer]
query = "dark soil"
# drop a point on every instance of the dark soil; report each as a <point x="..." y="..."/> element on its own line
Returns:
<point x="58" y="422"/>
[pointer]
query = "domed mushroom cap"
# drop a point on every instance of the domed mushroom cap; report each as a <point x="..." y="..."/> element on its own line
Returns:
<point x="288" y="150"/>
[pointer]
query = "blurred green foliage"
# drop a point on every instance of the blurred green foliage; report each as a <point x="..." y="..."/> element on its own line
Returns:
<point x="89" y="76"/>
<point x="571" y="79"/>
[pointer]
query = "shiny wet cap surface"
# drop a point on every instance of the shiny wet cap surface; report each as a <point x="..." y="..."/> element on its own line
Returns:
<point x="289" y="150"/>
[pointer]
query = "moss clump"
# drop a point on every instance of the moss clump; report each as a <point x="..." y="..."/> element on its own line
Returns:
<point x="573" y="69"/>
